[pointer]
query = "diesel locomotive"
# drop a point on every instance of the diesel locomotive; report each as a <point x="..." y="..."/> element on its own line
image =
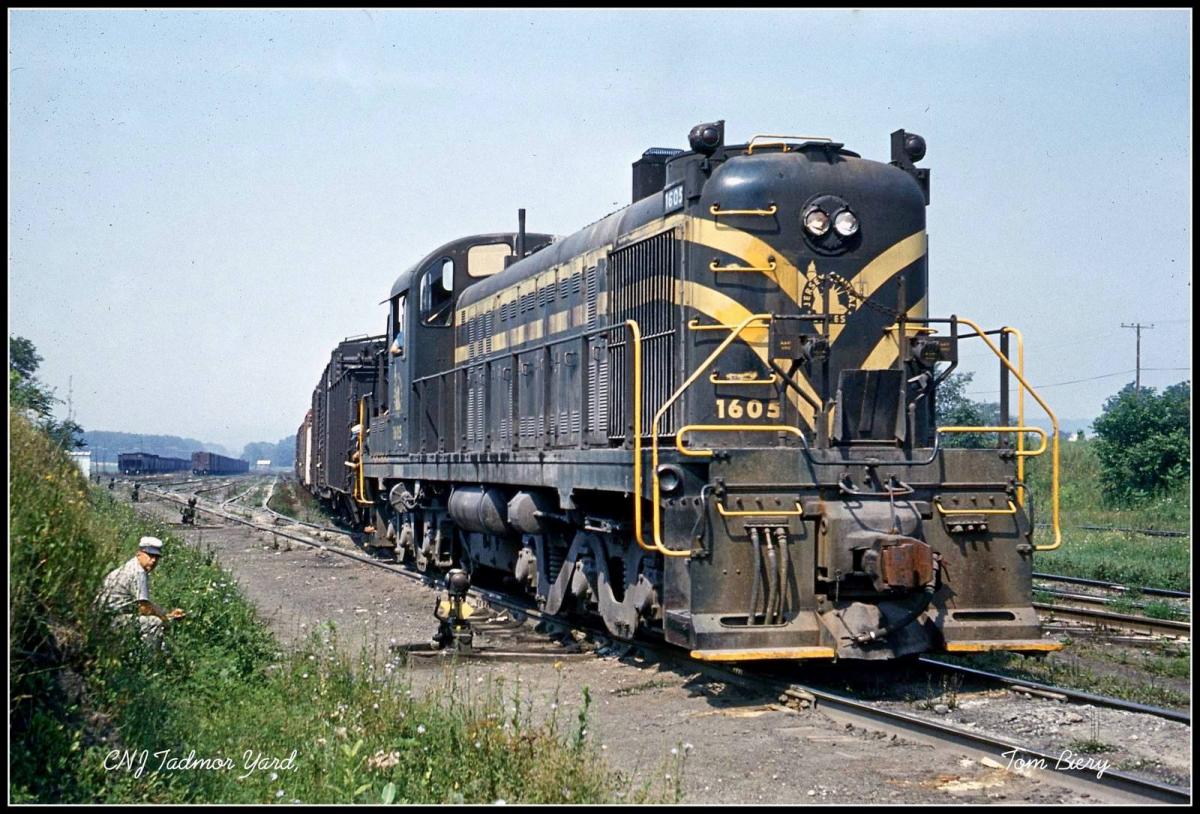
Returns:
<point x="709" y="414"/>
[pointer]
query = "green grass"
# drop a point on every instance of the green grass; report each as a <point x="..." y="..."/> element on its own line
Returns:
<point x="1132" y="559"/>
<point x="293" y="501"/>
<point x="1089" y="746"/>
<point x="226" y="691"/>
<point x="1067" y="670"/>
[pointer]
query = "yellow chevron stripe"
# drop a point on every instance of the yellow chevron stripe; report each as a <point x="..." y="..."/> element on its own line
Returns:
<point x="885" y="353"/>
<point x="726" y="310"/>
<point x="753" y="251"/>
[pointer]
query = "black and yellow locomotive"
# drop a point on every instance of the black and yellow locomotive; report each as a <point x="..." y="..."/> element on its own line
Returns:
<point x="710" y="413"/>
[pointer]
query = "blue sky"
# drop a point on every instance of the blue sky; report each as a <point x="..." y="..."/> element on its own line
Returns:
<point x="201" y="204"/>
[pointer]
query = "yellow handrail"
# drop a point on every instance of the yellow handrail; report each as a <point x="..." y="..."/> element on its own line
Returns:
<point x="799" y="511"/>
<point x="1012" y="509"/>
<point x="716" y="210"/>
<point x="362" y="432"/>
<point x="655" y="493"/>
<point x="696" y="453"/>
<point x="750" y="147"/>
<point x="694" y="325"/>
<point x="714" y="266"/>
<point x="1054" y="428"/>
<point x="636" y="332"/>
<point x="1020" y="412"/>
<point x="715" y="379"/>
<point x="1020" y="452"/>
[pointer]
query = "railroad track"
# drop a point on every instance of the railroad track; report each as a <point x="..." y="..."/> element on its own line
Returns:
<point x="1113" y="586"/>
<point x="1059" y="693"/>
<point x="1141" y="788"/>
<point x="1119" y="621"/>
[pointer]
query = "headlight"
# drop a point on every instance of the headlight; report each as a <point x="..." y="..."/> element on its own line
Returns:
<point x="816" y="222"/>
<point x="845" y="223"/>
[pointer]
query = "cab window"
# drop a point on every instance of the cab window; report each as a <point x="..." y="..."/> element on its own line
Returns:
<point x="487" y="259"/>
<point x="437" y="292"/>
<point x="399" y="310"/>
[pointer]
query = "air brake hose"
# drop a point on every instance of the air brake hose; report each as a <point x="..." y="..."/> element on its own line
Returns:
<point x="784" y="567"/>
<point x="908" y="618"/>
<point x="772" y="580"/>
<point x="753" y="614"/>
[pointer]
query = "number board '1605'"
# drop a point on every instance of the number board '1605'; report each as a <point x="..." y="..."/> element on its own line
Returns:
<point x="747" y="408"/>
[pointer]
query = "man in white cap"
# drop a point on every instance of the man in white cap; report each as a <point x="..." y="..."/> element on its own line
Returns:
<point x="126" y="591"/>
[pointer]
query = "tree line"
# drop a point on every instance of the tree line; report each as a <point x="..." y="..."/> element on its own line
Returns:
<point x="1142" y="436"/>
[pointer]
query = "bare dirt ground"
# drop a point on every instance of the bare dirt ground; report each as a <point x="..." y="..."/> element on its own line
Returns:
<point x="740" y="746"/>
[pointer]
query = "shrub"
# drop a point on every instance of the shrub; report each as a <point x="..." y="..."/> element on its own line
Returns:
<point x="1143" y="443"/>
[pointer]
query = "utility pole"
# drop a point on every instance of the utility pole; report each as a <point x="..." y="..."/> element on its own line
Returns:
<point x="1137" y="386"/>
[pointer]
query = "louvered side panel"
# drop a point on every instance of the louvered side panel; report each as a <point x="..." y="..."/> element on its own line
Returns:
<point x="642" y="289"/>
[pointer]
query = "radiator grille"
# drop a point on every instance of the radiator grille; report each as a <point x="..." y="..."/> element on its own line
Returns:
<point x="642" y="288"/>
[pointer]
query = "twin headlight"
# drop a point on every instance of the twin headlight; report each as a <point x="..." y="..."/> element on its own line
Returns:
<point x="817" y="222"/>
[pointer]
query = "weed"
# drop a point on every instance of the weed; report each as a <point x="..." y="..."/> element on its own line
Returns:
<point x="311" y="725"/>
<point x="1090" y="746"/>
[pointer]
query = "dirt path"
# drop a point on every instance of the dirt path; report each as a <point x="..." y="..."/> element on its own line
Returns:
<point x="740" y="746"/>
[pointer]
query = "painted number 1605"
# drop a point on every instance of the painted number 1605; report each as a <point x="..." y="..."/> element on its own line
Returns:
<point x="747" y="408"/>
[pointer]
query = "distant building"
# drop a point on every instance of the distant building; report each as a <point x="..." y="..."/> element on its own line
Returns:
<point x="83" y="460"/>
<point x="262" y="466"/>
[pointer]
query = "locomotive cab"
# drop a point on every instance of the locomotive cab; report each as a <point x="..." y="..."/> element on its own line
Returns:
<point x="418" y="414"/>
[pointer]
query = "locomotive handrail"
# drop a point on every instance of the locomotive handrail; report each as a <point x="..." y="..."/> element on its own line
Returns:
<point x="1022" y="387"/>
<point x="751" y="145"/>
<point x="1054" y="461"/>
<point x="715" y="210"/>
<point x="715" y="266"/>
<point x="694" y="325"/>
<point x="716" y="379"/>
<point x="1012" y="509"/>
<point x="635" y="332"/>
<point x="696" y="453"/>
<point x="1021" y="453"/>
<point x="797" y="512"/>
<point x="656" y="519"/>
<point x="1020" y="411"/>
<point x="361" y="491"/>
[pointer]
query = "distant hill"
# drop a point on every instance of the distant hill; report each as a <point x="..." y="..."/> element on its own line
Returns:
<point x="105" y="446"/>
<point x="280" y="454"/>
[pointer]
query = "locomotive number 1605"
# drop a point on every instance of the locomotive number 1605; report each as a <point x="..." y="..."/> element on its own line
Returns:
<point x="747" y="408"/>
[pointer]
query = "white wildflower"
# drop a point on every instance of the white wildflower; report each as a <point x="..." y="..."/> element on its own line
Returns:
<point x="420" y="729"/>
<point x="279" y="793"/>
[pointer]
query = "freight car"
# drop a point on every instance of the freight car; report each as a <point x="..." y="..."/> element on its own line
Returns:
<point x="144" y="463"/>
<point x="304" y="437"/>
<point x="210" y="463"/>
<point x="334" y="446"/>
<point x="712" y="414"/>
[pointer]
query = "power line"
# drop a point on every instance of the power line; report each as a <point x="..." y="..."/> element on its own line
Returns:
<point x="1077" y="381"/>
